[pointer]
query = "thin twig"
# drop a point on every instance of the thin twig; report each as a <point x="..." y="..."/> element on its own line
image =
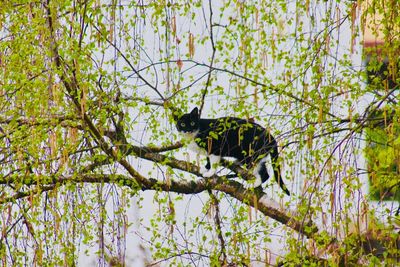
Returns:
<point x="217" y="220"/>
<point x="212" y="59"/>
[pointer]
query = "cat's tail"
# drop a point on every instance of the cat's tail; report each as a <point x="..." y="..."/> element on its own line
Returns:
<point x="277" y="169"/>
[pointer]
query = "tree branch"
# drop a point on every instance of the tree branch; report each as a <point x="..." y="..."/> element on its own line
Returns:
<point x="256" y="198"/>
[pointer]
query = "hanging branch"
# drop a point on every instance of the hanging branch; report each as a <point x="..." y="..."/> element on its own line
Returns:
<point x="203" y="96"/>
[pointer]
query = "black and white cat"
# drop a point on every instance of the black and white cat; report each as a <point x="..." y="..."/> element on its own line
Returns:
<point x="246" y="141"/>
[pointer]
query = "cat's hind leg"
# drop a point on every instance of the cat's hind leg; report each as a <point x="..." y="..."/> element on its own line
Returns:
<point x="261" y="170"/>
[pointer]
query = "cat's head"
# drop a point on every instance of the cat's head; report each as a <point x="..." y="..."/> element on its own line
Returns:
<point x="189" y="122"/>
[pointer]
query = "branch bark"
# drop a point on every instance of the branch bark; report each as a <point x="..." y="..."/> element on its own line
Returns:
<point x="256" y="198"/>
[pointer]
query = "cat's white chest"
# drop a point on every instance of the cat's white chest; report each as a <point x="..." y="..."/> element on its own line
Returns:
<point x="192" y="145"/>
<point x="190" y="135"/>
<point x="195" y="147"/>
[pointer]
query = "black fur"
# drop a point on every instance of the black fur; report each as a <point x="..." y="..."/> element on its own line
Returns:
<point x="241" y="139"/>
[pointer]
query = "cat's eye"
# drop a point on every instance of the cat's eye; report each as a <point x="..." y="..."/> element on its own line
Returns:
<point x="183" y="124"/>
<point x="192" y="123"/>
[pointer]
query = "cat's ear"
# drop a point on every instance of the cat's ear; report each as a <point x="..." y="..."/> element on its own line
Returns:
<point x="195" y="112"/>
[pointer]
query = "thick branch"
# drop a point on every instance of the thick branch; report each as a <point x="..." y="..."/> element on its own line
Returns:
<point x="53" y="120"/>
<point x="257" y="198"/>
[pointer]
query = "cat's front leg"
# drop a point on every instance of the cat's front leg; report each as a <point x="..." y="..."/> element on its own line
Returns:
<point x="204" y="169"/>
<point x="212" y="163"/>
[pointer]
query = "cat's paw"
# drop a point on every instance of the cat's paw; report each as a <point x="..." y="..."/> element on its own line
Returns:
<point x="203" y="170"/>
<point x="252" y="183"/>
<point x="209" y="173"/>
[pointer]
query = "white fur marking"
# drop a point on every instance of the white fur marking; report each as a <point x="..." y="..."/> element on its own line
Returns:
<point x="195" y="148"/>
<point x="203" y="170"/>
<point x="214" y="160"/>
<point x="189" y="135"/>
<point x="258" y="181"/>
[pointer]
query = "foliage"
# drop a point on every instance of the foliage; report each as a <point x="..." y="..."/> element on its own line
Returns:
<point x="383" y="156"/>
<point x="91" y="162"/>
